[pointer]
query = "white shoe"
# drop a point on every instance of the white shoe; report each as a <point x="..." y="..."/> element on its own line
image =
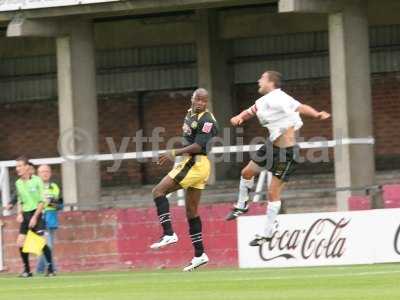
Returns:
<point x="259" y="240"/>
<point x="165" y="241"/>
<point x="196" y="262"/>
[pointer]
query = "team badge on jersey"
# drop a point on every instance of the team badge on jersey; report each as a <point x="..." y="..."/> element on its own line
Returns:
<point x="207" y="127"/>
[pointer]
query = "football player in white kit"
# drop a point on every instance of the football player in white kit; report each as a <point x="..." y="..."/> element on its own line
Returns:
<point x="280" y="114"/>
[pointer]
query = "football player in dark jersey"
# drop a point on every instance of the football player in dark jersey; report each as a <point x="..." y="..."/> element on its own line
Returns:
<point x="191" y="174"/>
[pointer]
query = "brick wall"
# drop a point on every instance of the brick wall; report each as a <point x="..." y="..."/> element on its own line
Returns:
<point x="32" y="128"/>
<point x="29" y="129"/>
<point x="115" y="239"/>
<point x="120" y="238"/>
<point x="386" y="109"/>
<point x="165" y="110"/>
<point x="118" y="119"/>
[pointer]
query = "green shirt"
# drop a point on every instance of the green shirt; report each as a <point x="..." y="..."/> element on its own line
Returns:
<point x="51" y="191"/>
<point x="30" y="192"/>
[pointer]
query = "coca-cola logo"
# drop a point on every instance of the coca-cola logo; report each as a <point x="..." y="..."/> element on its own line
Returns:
<point x="397" y="241"/>
<point x="322" y="239"/>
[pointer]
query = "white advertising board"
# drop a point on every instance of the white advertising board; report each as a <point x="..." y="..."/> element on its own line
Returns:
<point x="319" y="239"/>
<point x="13" y="5"/>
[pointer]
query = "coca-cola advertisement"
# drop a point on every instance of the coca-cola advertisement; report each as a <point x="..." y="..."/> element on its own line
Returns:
<point x="359" y="237"/>
<point x="397" y="241"/>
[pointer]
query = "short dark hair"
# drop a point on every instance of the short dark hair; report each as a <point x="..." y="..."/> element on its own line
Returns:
<point x="24" y="159"/>
<point x="275" y="77"/>
<point x="202" y="92"/>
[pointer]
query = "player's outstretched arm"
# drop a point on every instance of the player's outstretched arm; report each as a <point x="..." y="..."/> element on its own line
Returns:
<point x="245" y="115"/>
<point x="170" y="155"/>
<point x="311" y="112"/>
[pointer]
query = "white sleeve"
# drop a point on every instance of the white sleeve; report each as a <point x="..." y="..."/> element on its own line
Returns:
<point x="290" y="105"/>
<point x="260" y="103"/>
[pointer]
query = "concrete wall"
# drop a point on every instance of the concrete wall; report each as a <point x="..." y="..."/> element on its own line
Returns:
<point x="116" y="239"/>
<point x="154" y="68"/>
<point x="120" y="239"/>
<point x="235" y="23"/>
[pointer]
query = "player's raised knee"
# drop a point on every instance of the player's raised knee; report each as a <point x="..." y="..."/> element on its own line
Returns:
<point x="247" y="173"/>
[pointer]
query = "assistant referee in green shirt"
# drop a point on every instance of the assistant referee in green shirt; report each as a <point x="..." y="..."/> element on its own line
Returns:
<point x="30" y="193"/>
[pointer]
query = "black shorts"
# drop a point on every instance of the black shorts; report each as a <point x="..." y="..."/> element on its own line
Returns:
<point x="24" y="227"/>
<point x="281" y="162"/>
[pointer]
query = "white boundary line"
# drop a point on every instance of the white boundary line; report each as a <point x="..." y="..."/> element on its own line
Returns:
<point x="137" y="279"/>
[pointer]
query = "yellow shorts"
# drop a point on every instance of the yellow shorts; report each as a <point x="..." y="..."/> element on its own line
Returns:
<point x="192" y="171"/>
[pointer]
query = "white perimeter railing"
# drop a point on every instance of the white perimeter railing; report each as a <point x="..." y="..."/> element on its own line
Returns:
<point x="5" y="165"/>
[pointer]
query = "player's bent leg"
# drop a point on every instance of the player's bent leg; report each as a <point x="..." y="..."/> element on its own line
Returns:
<point x="245" y="186"/>
<point x="274" y="205"/>
<point x="165" y="186"/>
<point x="161" y="190"/>
<point x="195" y="229"/>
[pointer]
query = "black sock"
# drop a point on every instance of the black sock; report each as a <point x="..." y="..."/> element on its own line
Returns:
<point x="196" y="236"/>
<point x="25" y="260"/>
<point x="164" y="214"/>
<point x="47" y="255"/>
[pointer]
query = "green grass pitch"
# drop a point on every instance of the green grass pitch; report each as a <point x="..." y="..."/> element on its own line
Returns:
<point x="375" y="282"/>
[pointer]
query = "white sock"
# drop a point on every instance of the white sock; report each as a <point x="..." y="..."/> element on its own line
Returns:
<point x="272" y="212"/>
<point x="244" y="186"/>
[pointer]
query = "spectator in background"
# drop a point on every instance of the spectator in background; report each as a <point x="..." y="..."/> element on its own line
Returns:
<point x="32" y="168"/>
<point x="50" y="216"/>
